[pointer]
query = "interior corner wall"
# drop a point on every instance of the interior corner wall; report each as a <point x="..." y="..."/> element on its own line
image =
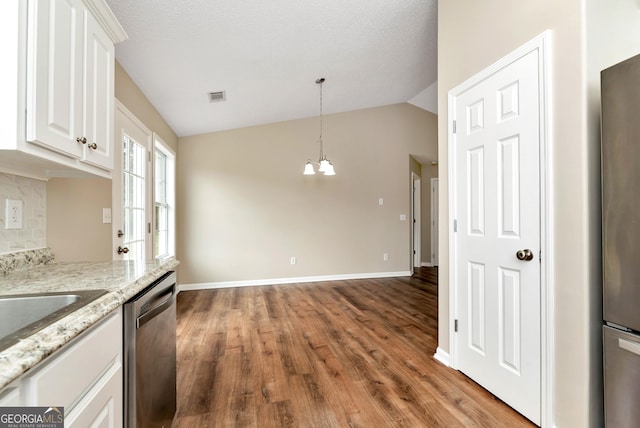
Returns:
<point x="472" y="36"/>
<point x="247" y="209"/>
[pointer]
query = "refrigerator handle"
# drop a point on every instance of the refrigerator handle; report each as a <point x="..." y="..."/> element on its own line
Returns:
<point x="629" y="346"/>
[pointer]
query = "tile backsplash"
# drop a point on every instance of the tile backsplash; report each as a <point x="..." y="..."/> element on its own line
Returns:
<point x="33" y="194"/>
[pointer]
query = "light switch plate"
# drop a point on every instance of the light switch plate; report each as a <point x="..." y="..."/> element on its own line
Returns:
<point x="106" y="215"/>
<point x="13" y="214"/>
<point x="403" y="217"/>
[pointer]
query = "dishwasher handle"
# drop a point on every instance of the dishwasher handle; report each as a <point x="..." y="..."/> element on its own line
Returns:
<point x="147" y="316"/>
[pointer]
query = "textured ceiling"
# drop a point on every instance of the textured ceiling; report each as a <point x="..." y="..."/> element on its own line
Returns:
<point x="267" y="55"/>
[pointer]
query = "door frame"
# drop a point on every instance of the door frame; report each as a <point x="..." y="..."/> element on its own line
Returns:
<point x="435" y="206"/>
<point x="116" y="192"/>
<point x="542" y="45"/>
<point x="416" y="220"/>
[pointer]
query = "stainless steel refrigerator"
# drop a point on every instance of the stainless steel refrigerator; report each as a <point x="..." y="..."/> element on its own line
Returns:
<point x="620" y="86"/>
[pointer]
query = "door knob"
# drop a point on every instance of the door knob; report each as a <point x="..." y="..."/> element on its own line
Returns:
<point x="121" y="250"/>
<point x="526" y="255"/>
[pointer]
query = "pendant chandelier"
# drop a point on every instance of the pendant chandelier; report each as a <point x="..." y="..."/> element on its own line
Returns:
<point x="325" y="165"/>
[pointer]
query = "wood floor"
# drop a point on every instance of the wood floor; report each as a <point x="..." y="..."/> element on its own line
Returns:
<point x="355" y="353"/>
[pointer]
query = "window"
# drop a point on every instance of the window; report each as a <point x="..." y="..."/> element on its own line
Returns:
<point x="163" y="200"/>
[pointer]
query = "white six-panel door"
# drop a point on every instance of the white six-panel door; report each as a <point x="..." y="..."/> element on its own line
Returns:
<point x="496" y="248"/>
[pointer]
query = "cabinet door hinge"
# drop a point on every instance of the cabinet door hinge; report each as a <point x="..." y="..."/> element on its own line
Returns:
<point x="454" y="126"/>
<point x="455" y="326"/>
<point x="455" y="225"/>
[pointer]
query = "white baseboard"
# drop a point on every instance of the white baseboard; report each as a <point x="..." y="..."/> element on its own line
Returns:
<point x="426" y="264"/>
<point x="442" y="356"/>
<point x="276" y="281"/>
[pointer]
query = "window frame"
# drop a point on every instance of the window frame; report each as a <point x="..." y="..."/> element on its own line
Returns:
<point x="170" y="191"/>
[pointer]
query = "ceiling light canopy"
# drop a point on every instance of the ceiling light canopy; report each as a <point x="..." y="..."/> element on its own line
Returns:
<point x="324" y="165"/>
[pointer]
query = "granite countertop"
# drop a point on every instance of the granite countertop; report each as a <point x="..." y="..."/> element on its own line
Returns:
<point x="122" y="280"/>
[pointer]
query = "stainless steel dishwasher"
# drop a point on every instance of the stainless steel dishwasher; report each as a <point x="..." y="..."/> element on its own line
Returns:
<point x="150" y="355"/>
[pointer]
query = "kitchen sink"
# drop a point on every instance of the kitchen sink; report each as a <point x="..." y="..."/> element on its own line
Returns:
<point x="23" y="315"/>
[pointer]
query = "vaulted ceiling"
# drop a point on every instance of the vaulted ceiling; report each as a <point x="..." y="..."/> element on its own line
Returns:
<point x="266" y="56"/>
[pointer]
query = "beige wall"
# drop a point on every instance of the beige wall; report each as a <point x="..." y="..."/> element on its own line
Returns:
<point x="74" y="216"/>
<point x="128" y="93"/>
<point x="471" y="36"/>
<point x="246" y="209"/>
<point x="75" y="230"/>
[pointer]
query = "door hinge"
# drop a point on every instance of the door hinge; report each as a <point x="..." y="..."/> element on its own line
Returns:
<point x="455" y="225"/>
<point x="454" y="126"/>
<point x="148" y="227"/>
<point x="149" y="156"/>
<point x="455" y="326"/>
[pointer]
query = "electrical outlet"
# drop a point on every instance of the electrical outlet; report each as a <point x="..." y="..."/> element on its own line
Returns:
<point x="13" y="214"/>
<point x="293" y="260"/>
<point x="385" y="257"/>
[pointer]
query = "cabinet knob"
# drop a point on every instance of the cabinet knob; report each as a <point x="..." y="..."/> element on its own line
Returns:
<point x="82" y="140"/>
<point x="93" y="146"/>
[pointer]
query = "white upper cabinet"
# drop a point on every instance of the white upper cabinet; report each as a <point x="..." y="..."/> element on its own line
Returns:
<point x="55" y="81"/>
<point x="65" y="89"/>
<point x="99" y="108"/>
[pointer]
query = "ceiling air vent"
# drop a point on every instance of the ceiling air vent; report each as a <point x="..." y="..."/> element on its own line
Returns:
<point x="217" y="96"/>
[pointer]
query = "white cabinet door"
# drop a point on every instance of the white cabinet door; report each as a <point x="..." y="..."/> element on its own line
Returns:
<point x="70" y="82"/>
<point x="55" y="75"/>
<point x="99" y="95"/>
<point x="10" y="397"/>
<point x="102" y="407"/>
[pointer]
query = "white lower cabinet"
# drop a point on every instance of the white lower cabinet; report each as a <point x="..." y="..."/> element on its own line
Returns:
<point x="10" y="396"/>
<point x="102" y="406"/>
<point x="85" y="377"/>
